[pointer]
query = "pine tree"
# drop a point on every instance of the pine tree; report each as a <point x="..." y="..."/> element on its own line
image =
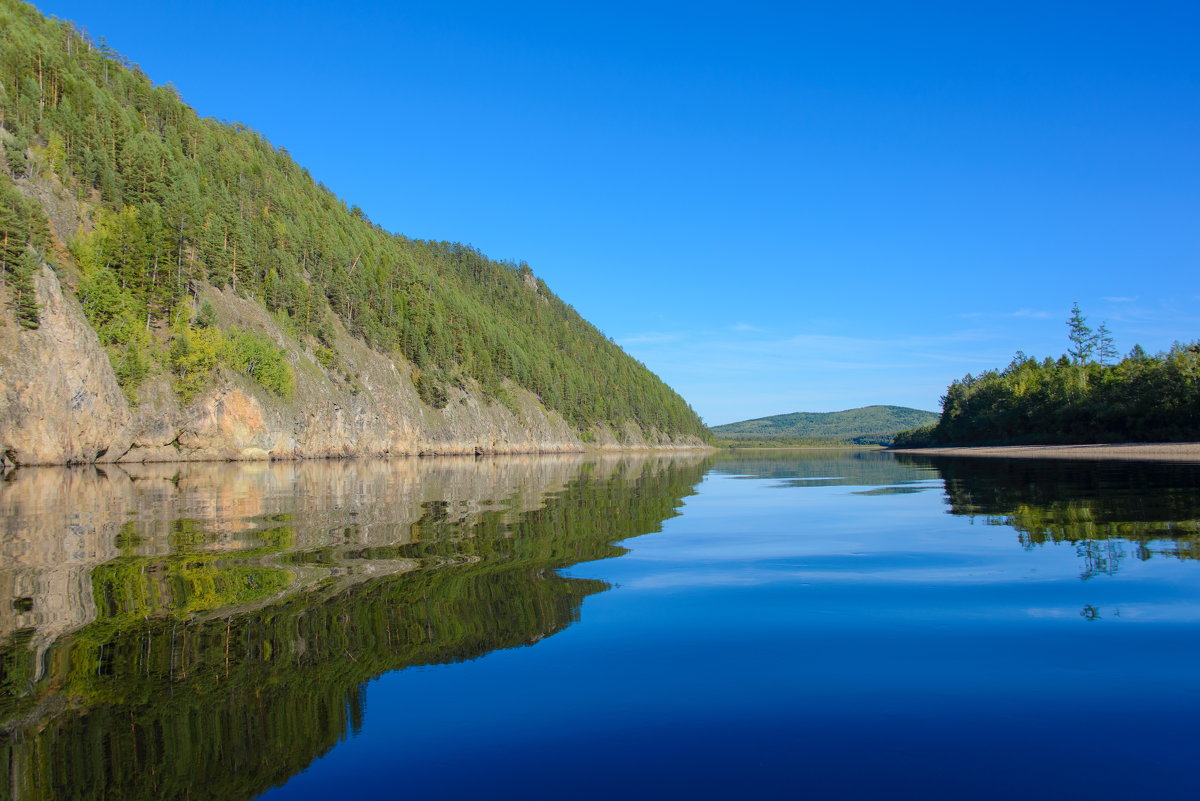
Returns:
<point x="1106" y="351"/>
<point x="20" y="224"/>
<point x="14" y="232"/>
<point x="24" y="293"/>
<point x="1083" y="341"/>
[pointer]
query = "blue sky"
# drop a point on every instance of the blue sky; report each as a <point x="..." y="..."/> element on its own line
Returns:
<point x="776" y="207"/>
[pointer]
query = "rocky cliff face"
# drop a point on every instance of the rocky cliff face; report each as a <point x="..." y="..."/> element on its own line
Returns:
<point x="59" y="398"/>
<point x="60" y="403"/>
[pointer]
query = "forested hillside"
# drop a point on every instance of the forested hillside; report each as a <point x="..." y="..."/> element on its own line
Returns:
<point x="869" y="425"/>
<point x="172" y="204"/>
<point x="1085" y="396"/>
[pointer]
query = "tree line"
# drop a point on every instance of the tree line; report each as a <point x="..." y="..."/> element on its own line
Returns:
<point x="1087" y="395"/>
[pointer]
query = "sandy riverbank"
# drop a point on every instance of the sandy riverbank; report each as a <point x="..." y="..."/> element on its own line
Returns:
<point x="1131" y="451"/>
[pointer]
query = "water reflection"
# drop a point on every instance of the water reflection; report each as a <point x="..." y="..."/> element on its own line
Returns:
<point x="204" y="631"/>
<point x="1109" y="511"/>
<point x="827" y="468"/>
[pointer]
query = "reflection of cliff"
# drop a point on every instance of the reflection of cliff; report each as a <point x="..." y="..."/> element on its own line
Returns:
<point x="1095" y="506"/>
<point x="63" y="523"/>
<point x="226" y="652"/>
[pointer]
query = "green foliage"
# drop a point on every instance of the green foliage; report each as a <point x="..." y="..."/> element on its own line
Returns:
<point x="869" y="425"/>
<point x="1083" y="341"/>
<point x="1139" y="399"/>
<point x="922" y="437"/>
<point x="119" y="322"/>
<point x="197" y="351"/>
<point x="506" y="400"/>
<point x="1106" y="351"/>
<point x="14" y="153"/>
<point x="25" y="305"/>
<point x="207" y="316"/>
<point x="260" y="359"/>
<point x="326" y="356"/>
<point x="1082" y="397"/>
<point x="188" y="201"/>
<point x="23" y="238"/>
<point x="193" y="357"/>
<point x="430" y="389"/>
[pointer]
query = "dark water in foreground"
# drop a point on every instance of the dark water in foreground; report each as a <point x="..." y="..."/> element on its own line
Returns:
<point x="815" y="624"/>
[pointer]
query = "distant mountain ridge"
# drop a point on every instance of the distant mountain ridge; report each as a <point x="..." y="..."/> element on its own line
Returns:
<point x="868" y="425"/>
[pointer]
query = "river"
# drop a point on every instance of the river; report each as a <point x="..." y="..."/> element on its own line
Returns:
<point x="800" y="624"/>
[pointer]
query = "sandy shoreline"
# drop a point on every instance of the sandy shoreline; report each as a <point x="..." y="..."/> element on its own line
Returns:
<point x="1131" y="451"/>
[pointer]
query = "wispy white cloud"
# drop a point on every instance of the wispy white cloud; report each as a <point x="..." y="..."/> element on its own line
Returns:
<point x="745" y="374"/>
<point x="1033" y="314"/>
<point x="650" y="338"/>
<point x="1164" y="320"/>
<point x="811" y="354"/>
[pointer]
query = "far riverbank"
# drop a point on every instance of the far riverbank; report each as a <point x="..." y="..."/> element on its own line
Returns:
<point x="1130" y="451"/>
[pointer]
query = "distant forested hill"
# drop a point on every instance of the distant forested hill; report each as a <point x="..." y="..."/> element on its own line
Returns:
<point x="143" y="208"/>
<point x="869" y="425"/>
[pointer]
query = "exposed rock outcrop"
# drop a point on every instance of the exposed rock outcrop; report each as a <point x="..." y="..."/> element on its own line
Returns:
<point x="59" y="398"/>
<point x="60" y="403"/>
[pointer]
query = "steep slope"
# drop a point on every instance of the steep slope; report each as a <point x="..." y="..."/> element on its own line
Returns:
<point x="214" y="273"/>
<point x="869" y="425"/>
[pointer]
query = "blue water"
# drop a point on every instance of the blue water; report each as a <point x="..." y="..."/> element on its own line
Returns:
<point x="774" y="624"/>
<point x="796" y="632"/>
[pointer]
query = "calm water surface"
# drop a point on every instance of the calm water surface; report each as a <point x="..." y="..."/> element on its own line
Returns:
<point x="805" y="624"/>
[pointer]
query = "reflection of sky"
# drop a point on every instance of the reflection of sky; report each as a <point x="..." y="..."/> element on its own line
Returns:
<point x="740" y="532"/>
<point x="813" y="642"/>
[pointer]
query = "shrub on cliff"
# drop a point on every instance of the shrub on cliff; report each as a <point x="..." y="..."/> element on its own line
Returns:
<point x="261" y="359"/>
<point x="193" y="357"/>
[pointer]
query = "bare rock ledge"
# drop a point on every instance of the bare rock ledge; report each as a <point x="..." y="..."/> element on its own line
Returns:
<point x="60" y="404"/>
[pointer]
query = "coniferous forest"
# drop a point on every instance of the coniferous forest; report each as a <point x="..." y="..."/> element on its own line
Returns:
<point x="177" y="202"/>
<point x="1087" y="395"/>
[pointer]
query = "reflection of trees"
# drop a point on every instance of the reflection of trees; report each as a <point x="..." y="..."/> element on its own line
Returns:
<point x="191" y="579"/>
<point x="205" y="676"/>
<point x="1098" y="557"/>
<point x="1108" y="511"/>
